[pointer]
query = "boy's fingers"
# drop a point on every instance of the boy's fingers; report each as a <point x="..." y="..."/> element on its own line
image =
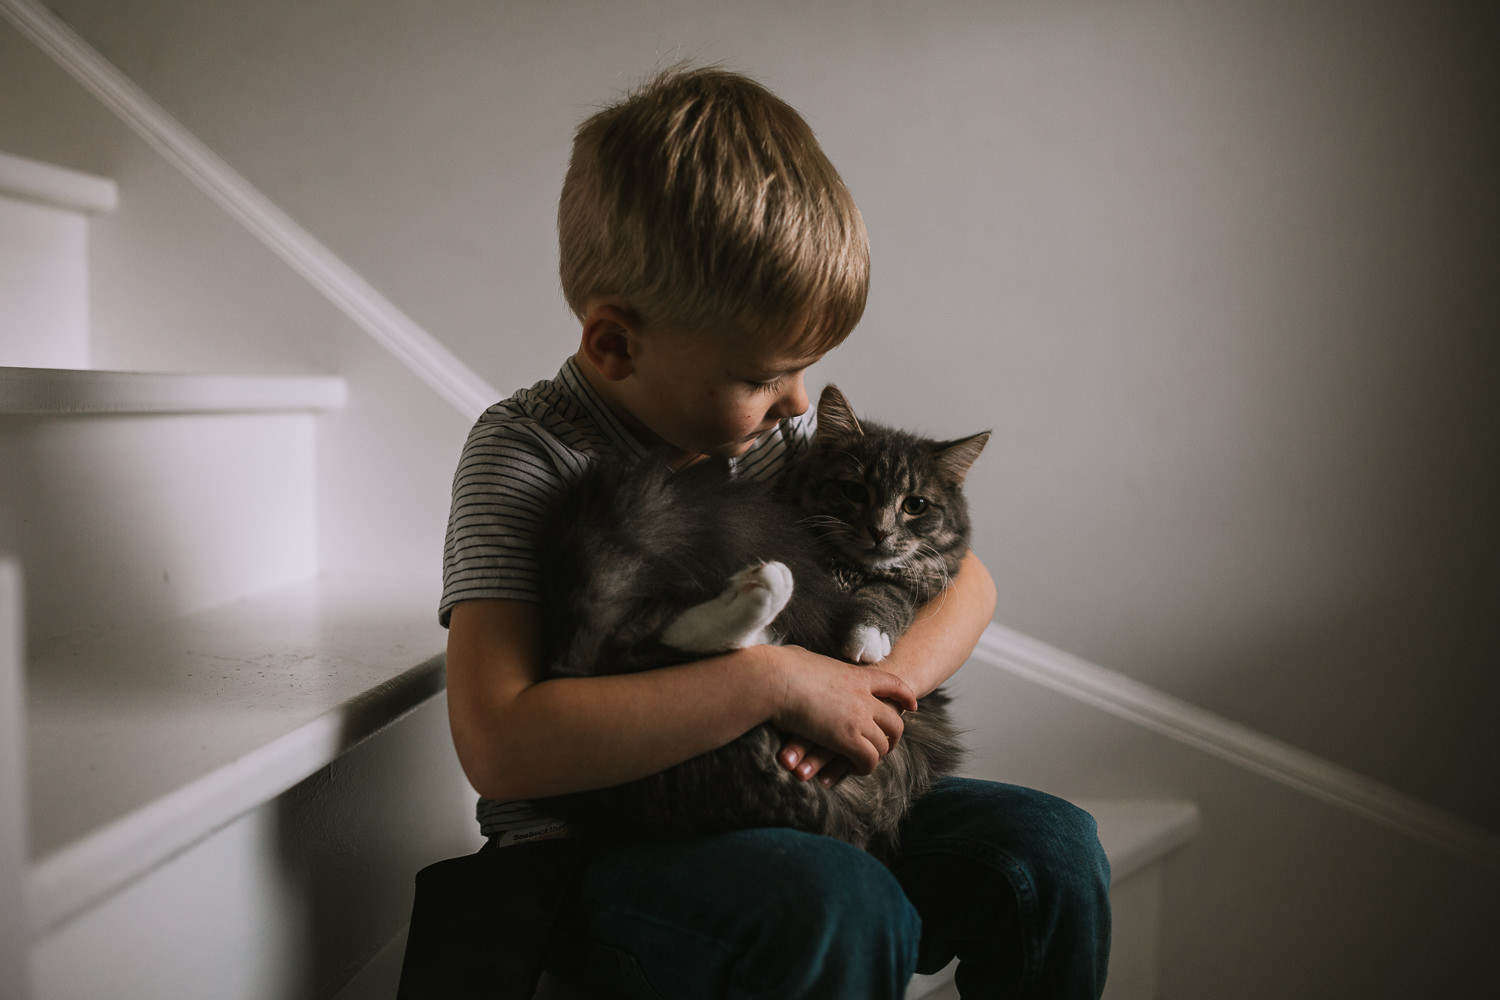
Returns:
<point x="889" y="687"/>
<point x="803" y="759"/>
<point x="792" y="753"/>
<point x="816" y="759"/>
<point x="892" y="726"/>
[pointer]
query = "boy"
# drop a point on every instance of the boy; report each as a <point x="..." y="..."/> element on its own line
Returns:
<point x="712" y="254"/>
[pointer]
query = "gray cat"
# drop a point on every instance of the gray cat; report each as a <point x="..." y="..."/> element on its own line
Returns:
<point x="645" y="567"/>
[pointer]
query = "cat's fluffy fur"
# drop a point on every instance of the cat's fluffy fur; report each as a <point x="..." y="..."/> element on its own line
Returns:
<point x="645" y="567"/>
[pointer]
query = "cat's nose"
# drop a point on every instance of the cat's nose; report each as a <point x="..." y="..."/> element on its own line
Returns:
<point x="879" y="535"/>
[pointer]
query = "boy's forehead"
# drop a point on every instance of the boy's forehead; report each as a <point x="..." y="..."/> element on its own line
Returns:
<point x="742" y="354"/>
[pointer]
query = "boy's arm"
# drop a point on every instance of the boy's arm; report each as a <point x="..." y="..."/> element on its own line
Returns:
<point x="521" y="737"/>
<point x="946" y="629"/>
<point x="939" y="642"/>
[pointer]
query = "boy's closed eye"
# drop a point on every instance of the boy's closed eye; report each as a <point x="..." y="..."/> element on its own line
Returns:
<point x="773" y="380"/>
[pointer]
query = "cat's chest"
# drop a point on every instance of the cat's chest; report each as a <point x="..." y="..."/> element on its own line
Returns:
<point x="850" y="578"/>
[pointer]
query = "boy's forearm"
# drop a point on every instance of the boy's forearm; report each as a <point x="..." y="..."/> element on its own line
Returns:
<point x="946" y="629"/>
<point x="573" y="734"/>
<point x="600" y="731"/>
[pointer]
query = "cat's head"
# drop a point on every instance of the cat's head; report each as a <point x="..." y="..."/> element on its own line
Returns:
<point x="883" y="498"/>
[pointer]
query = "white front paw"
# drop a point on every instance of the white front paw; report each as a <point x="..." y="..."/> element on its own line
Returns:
<point x="739" y="616"/>
<point x="769" y="584"/>
<point x="867" y="644"/>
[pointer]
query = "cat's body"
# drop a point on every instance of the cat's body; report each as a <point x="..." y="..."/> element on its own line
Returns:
<point x="645" y="567"/>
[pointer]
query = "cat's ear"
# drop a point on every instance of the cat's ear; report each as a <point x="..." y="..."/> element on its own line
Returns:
<point x="836" y="421"/>
<point x="955" y="457"/>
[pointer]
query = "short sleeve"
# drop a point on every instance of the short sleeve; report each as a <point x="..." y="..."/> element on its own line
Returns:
<point x="506" y="477"/>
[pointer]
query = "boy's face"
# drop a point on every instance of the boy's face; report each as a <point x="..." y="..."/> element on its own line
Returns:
<point x="706" y="394"/>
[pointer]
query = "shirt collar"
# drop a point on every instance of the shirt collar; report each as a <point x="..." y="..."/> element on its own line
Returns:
<point x="614" y="430"/>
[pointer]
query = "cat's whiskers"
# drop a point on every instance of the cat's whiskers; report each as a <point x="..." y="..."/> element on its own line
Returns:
<point x="924" y="547"/>
<point x="825" y="526"/>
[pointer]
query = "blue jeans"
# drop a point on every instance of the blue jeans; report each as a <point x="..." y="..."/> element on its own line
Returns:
<point x="1011" y="881"/>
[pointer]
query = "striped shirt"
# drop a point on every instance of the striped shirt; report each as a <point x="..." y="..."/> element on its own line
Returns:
<point x="520" y="453"/>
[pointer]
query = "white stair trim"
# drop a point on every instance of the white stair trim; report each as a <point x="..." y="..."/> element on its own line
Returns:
<point x="65" y="391"/>
<point x="362" y="654"/>
<point x="413" y="346"/>
<point x="1025" y="657"/>
<point x="60" y="187"/>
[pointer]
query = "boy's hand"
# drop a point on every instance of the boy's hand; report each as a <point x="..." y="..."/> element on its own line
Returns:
<point x="853" y="712"/>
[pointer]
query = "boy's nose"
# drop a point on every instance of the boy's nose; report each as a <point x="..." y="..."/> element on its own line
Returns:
<point x="793" y="401"/>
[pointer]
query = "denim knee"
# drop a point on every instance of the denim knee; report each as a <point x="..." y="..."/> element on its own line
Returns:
<point x="1070" y="877"/>
<point x="836" y="924"/>
<point x="1068" y="859"/>
<point x="1015" y="883"/>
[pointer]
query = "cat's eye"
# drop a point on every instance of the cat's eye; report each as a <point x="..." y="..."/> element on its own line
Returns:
<point x="856" y="493"/>
<point x="914" y="506"/>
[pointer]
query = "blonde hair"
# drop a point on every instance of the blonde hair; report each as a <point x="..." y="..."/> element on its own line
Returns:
<point x="702" y="199"/>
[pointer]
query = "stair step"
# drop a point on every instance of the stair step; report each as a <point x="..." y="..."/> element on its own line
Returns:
<point x="60" y="187"/>
<point x="132" y="496"/>
<point x="1137" y="834"/>
<point x="142" y="741"/>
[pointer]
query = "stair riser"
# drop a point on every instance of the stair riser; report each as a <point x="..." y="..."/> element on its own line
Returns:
<point x="13" y="806"/>
<point x="1136" y="910"/>
<point x="117" y="520"/>
<point x="44" y="297"/>
<point x="290" y="899"/>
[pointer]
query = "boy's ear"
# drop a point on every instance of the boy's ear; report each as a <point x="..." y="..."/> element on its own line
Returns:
<point x="609" y="339"/>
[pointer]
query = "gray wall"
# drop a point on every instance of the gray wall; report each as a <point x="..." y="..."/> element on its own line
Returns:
<point x="1220" y="275"/>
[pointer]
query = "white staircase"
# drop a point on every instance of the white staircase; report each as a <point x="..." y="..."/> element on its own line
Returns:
<point x="220" y="764"/>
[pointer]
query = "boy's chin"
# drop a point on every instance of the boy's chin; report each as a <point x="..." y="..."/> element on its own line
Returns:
<point x="736" y="449"/>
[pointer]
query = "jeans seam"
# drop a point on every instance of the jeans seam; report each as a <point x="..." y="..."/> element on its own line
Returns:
<point x="704" y="940"/>
<point x="1022" y="886"/>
